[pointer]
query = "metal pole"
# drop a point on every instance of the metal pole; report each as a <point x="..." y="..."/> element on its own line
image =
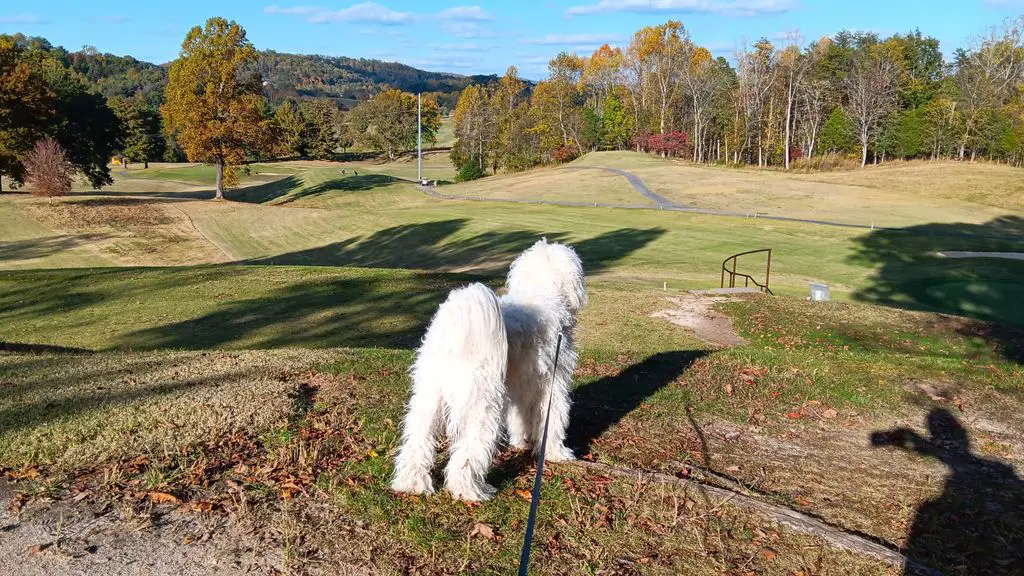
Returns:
<point x="419" y="137"/>
<point x="768" y="270"/>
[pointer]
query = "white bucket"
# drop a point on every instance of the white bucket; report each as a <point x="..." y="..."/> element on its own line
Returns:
<point x="819" y="292"/>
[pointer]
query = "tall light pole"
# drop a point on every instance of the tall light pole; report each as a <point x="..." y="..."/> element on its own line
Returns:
<point x="419" y="136"/>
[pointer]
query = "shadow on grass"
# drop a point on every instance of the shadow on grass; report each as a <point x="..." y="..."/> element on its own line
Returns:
<point x="58" y="400"/>
<point x="292" y="188"/>
<point x="976" y="526"/>
<point x="428" y="246"/>
<point x="911" y="274"/>
<point x="45" y="246"/>
<point x="19" y="348"/>
<point x="600" y="405"/>
<point x="380" y="311"/>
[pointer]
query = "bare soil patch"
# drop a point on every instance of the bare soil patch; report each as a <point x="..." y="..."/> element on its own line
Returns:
<point x="131" y="231"/>
<point x="697" y="314"/>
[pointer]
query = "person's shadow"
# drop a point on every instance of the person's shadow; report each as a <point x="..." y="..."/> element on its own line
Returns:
<point x="976" y="526"/>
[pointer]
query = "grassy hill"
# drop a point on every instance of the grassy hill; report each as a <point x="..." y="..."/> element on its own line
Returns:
<point x="249" y="358"/>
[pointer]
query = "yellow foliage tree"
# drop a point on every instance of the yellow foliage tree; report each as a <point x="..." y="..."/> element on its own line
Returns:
<point x="216" y="114"/>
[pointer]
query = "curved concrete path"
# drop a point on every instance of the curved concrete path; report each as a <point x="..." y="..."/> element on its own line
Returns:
<point x="662" y="203"/>
<point x="633" y="180"/>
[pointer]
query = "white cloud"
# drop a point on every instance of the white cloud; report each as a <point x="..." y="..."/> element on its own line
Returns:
<point x="465" y="13"/>
<point x="566" y="39"/>
<point x="362" y="13"/>
<point x="465" y="30"/>
<point x="728" y="7"/>
<point x="21" y="19"/>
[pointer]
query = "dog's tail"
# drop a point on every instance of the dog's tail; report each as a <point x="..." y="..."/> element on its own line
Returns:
<point x="468" y="325"/>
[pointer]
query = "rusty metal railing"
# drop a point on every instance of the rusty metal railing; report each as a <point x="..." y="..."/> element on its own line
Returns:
<point x="747" y="279"/>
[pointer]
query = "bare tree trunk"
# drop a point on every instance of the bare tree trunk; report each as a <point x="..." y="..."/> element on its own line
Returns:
<point x="863" y="150"/>
<point x="789" y="112"/>
<point x="219" y="193"/>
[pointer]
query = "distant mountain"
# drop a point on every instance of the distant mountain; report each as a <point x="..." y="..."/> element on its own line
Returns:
<point x="351" y="79"/>
<point x="345" y="80"/>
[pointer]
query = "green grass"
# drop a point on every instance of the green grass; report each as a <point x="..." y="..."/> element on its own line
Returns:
<point x="206" y="174"/>
<point x="638" y="377"/>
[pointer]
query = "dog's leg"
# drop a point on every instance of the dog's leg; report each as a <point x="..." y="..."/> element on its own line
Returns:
<point x="519" y="416"/>
<point x="419" y="444"/>
<point x="475" y="429"/>
<point x="561" y="403"/>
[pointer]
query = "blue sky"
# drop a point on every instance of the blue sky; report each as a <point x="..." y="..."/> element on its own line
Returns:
<point x="485" y="37"/>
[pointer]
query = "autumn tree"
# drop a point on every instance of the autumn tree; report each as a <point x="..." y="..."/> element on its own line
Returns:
<point x="47" y="169"/>
<point x="475" y="127"/>
<point x="870" y="89"/>
<point x="26" y="108"/>
<point x="387" y="122"/>
<point x="602" y="73"/>
<point x="656" y="55"/>
<point x="213" y="108"/>
<point x="559" y="102"/>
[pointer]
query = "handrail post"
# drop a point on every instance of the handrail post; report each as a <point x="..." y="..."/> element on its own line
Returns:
<point x="722" y="283"/>
<point x="768" y="269"/>
<point x="732" y="278"/>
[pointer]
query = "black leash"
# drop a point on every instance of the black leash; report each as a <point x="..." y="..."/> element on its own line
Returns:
<point x="524" y="557"/>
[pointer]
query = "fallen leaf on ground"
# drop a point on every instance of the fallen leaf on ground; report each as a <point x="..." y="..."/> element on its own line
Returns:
<point x="768" y="554"/>
<point x="829" y="414"/>
<point x="481" y="529"/>
<point x="39" y="548"/>
<point x="525" y="495"/>
<point x="794" y="415"/>
<point x="163" y="498"/>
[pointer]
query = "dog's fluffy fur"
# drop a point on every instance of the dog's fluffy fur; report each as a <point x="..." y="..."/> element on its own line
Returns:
<point x="483" y="355"/>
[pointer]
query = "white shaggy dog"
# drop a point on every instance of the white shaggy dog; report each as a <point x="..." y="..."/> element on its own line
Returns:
<point x="482" y="355"/>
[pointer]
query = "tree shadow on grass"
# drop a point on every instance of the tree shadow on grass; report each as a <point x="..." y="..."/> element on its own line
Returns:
<point x="378" y="310"/>
<point x="429" y="245"/>
<point x="65" y="402"/>
<point x="292" y="188"/>
<point x="976" y="526"/>
<point x="32" y="248"/>
<point x="911" y="274"/>
<point x="600" y="405"/>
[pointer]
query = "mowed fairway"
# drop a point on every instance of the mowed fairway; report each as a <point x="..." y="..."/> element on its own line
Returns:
<point x="249" y="359"/>
<point x="891" y="195"/>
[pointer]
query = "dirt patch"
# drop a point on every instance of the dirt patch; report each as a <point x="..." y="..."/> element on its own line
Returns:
<point x="130" y="231"/>
<point x="96" y="212"/>
<point x="63" y="538"/>
<point x="696" y="313"/>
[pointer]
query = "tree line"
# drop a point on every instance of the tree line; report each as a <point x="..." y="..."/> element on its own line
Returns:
<point x="211" y="105"/>
<point x="851" y="95"/>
